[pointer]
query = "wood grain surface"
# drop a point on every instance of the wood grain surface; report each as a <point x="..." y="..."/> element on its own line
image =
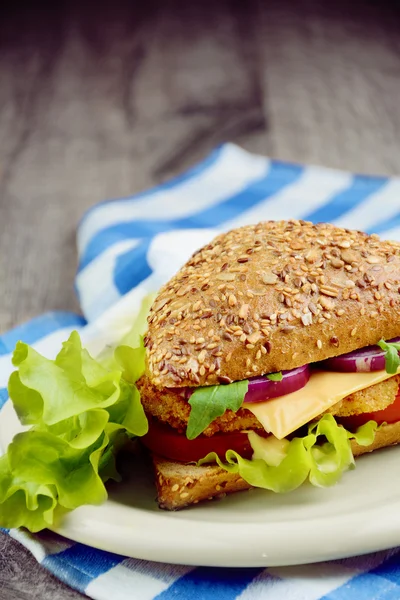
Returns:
<point x="104" y="99"/>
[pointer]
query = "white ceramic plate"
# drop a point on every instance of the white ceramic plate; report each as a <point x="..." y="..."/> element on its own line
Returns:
<point x="256" y="528"/>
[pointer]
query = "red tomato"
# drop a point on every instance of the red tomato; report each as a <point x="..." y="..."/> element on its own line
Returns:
<point x="390" y="414"/>
<point x="166" y="441"/>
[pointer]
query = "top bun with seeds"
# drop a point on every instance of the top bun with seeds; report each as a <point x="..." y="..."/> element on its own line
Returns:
<point x="270" y="297"/>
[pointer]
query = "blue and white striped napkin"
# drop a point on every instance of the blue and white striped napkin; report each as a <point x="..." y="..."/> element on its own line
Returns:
<point x="129" y="247"/>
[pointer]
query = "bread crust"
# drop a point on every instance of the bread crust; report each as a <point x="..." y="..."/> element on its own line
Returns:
<point x="387" y="435"/>
<point x="269" y="297"/>
<point x="371" y="399"/>
<point x="180" y="485"/>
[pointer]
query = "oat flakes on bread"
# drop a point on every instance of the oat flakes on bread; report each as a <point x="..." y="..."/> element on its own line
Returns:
<point x="272" y="296"/>
<point x="180" y="485"/>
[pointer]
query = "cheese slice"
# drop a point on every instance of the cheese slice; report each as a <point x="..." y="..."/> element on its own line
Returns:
<point x="285" y="414"/>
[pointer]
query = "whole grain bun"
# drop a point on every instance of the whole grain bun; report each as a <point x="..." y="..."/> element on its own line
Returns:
<point x="272" y="296"/>
<point x="180" y="485"/>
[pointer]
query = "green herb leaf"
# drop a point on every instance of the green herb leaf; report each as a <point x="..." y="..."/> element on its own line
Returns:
<point x="209" y="403"/>
<point x="283" y="465"/>
<point x="275" y="376"/>
<point x="392" y="359"/>
<point x="81" y="412"/>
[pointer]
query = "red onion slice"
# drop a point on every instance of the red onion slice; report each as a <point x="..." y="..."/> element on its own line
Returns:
<point x="370" y="358"/>
<point x="262" y="388"/>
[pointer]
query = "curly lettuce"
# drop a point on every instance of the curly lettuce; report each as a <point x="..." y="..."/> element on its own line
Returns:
<point x="80" y="411"/>
<point x="321" y="456"/>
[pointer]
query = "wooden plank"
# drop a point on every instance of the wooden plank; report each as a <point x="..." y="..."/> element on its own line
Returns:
<point x="331" y="79"/>
<point x="22" y="578"/>
<point x="104" y="104"/>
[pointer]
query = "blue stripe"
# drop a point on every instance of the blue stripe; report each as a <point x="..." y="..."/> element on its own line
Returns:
<point x="277" y="177"/>
<point x="382" y="583"/>
<point x="3" y="348"/>
<point x="361" y="187"/>
<point x="210" y="583"/>
<point x="3" y="396"/>
<point x="390" y="569"/>
<point x="38" y="328"/>
<point x="131" y="268"/>
<point x="381" y="226"/>
<point x="365" y="587"/>
<point x="79" y="565"/>
<point x="191" y="173"/>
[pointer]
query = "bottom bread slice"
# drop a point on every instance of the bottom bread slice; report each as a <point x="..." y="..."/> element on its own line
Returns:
<point x="387" y="435"/>
<point x="180" y="485"/>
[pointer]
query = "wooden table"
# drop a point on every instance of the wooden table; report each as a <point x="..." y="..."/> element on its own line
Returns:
<point x="102" y="99"/>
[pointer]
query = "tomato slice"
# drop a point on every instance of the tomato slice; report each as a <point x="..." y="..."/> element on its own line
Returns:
<point x="390" y="414"/>
<point x="168" y="442"/>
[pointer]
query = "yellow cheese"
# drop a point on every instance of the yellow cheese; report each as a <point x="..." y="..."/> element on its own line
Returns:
<point x="285" y="414"/>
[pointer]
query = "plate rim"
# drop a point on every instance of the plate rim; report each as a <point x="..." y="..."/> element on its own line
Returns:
<point x="162" y="537"/>
<point x="219" y="539"/>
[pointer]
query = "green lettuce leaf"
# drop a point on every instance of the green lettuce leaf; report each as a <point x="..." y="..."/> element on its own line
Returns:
<point x="132" y="339"/>
<point x="209" y="403"/>
<point x="321" y="456"/>
<point x="392" y="358"/>
<point x="275" y="376"/>
<point x="81" y="411"/>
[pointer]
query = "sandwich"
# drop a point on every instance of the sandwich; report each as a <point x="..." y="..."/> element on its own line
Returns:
<point x="271" y="360"/>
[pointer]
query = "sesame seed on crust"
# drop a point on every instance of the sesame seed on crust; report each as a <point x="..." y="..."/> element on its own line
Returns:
<point x="274" y="295"/>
